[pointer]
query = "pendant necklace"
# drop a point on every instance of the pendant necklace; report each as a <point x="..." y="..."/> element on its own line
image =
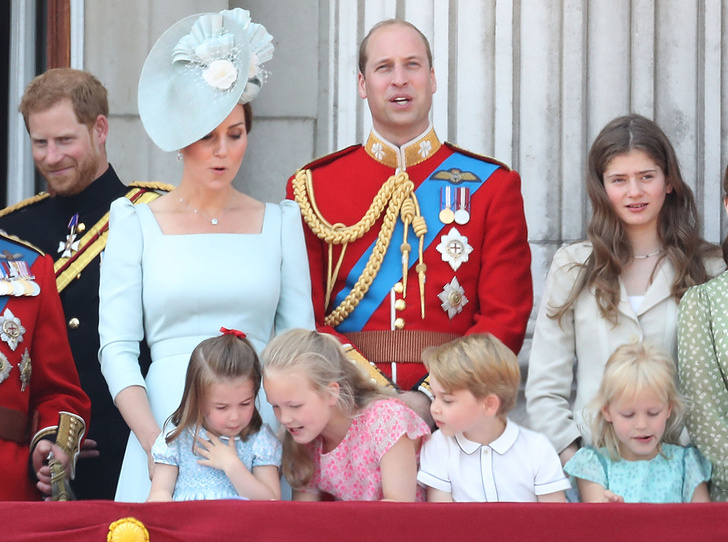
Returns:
<point x="213" y="221"/>
<point x="644" y="256"/>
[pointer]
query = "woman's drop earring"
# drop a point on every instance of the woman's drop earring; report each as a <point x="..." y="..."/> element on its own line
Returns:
<point x="179" y="155"/>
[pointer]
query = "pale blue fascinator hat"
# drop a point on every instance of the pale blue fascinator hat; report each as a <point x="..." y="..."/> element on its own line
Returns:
<point x="197" y="72"/>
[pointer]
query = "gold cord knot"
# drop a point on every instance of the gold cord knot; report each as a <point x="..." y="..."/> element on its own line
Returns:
<point x="395" y="198"/>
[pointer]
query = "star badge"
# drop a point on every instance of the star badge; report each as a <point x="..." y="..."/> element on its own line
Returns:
<point x="454" y="248"/>
<point x="453" y="298"/>
<point x="11" y="330"/>
<point x="5" y="367"/>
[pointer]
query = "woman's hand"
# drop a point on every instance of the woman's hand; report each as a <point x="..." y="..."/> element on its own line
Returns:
<point x="217" y="455"/>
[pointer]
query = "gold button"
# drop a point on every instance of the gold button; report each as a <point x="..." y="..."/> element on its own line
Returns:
<point x="399" y="288"/>
<point x="400" y="304"/>
<point x="73" y="323"/>
<point x="399" y="323"/>
<point x="81" y="228"/>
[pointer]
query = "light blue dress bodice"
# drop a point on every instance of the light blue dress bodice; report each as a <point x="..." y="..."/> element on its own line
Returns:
<point x="670" y="476"/>
<point x="177" y="290"/>
<point x="197" y="482"/>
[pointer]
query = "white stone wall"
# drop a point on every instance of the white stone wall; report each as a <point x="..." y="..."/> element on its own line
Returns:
<point x="530" y="82"/>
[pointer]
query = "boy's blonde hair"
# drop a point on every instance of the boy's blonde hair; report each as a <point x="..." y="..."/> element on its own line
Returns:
<point x="479" y="363"/>
<point x="630" y="370"/>
<point x="322" y="360"/>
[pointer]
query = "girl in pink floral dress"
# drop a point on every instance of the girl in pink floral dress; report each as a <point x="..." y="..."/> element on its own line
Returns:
<point x="345" y="436"/>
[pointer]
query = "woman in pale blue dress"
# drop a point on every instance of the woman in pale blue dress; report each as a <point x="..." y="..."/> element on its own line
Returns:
<point x="203" y="255"/>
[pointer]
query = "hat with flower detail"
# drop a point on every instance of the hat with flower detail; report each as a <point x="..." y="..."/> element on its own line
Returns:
<point x="197" y="72"/>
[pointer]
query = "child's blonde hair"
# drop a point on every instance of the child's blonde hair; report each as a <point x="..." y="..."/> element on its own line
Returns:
<point x="630" y="370"/>
<point x="215" y="360"/>
<point x="479" y="363"/>
<point x="322" y="360"/>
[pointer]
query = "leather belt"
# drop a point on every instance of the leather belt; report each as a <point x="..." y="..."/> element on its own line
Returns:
<point x="13" y="425"/>
<point x="401" y="346"/>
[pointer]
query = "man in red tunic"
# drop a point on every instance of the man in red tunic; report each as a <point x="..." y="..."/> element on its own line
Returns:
<point x="412" y="242"/>
<point x="42" y="406"/>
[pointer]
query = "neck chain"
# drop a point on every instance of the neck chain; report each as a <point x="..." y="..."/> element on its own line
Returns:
<point x="213" y="221"/>
<point x="644" y="256"/>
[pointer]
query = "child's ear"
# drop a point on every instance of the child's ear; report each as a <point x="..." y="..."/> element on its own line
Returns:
<point x="333" y="392"/>
<point x="492" y="404"/>
<point x="605" y="413"/>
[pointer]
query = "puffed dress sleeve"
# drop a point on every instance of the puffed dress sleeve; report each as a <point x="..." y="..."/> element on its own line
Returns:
<point x="553" y="353"/>
<point x="295" y="308"/>
<point x="702" y="363"/>
<point x="167" y="454"/>
<point x="696" y="470"/>
<point x="121" y="325"/>
<point x="267" y="449"/>
<point x="587" y="464"/>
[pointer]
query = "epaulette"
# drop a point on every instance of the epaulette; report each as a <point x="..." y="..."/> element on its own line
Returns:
<point x="24" y="203"/>
<point x="323" y="160"/>
<point x="477" y="156"/>
<point x="152" y="185"/>
<point x="18" y="240"/>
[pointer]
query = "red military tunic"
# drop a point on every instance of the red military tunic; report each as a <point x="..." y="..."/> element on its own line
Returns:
<point x="38" y="377"/>
<point x="493" y="272"/>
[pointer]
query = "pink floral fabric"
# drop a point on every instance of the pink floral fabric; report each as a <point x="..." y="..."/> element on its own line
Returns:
<point x="351" y="471"/>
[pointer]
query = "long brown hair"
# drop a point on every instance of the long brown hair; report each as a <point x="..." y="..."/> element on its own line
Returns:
<point x="212" y="361"/>
<point x="678" y="228"/>
<point x="322" y="360"/>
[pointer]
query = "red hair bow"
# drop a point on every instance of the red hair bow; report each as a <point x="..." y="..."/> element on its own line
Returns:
<point x="237" y="333"/>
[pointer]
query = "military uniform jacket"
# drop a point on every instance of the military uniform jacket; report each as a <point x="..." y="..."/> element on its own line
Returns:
<point x="38" y="375"/>
<point x="44" y="221"/>
<point x="484" y="285"/>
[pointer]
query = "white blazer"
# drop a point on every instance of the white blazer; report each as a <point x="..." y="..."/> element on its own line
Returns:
<point x="583" y="337"/>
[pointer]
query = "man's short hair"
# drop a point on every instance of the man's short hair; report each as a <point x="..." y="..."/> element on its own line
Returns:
<point x="390" y="22"/>
<point x="88" y="96"/>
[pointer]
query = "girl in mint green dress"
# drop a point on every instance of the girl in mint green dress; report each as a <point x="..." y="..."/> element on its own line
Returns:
<point x="636" y="418"/>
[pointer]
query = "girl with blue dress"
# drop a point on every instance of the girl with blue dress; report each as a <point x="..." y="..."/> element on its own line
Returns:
<point x="636" y="424"/>
<point x="216" y="445"/>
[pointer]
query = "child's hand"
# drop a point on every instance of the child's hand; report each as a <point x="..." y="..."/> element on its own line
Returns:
<point x="610" y="496"/>
<point x="217" y="455"/>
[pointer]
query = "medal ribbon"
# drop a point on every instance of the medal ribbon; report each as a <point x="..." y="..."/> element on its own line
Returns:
<point x="25" y="262"/>
<point x="428" y="192"/>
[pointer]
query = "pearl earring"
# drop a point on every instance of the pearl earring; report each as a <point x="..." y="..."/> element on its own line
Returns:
<point x="179" y="155"/>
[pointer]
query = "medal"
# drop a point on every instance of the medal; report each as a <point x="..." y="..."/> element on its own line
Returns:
<point x="454" y="248"/>
<point x="453" y="298"/>
<point x="447" y="215"/>
<point x="25" y="370"/>
<point x="5" y="367"/>
<point x="11" y="330"/>
<point x="15" y="277"/>
<point x="462" y="215"/>
<point x="70" y="246"/>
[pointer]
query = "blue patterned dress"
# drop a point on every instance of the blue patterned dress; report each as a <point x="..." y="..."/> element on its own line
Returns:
<point x="670" y="476"/>
<point x="197" y="482"/>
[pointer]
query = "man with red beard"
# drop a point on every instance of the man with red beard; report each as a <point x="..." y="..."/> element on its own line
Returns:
<point x="412" y="242"/>
<point x="66" y="113"/>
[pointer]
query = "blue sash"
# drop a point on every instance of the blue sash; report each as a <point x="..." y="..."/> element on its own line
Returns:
<point x="428" y="196"/>
<point x="27" y="255"/>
